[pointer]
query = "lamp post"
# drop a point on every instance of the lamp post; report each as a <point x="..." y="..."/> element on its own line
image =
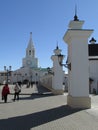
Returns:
<point x="8" y="70"/>
<point x="60" y="60"/>
<point x="50" y="71"/>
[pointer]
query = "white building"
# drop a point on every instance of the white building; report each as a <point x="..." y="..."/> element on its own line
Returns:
<point x="29" y="72"/>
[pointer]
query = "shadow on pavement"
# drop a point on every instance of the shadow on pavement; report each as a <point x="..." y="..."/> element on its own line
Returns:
<point x="35" y="95"/>
<point x="29" y="121"/>
<point x="42" y="89"/>
<point x="42" y="92"/>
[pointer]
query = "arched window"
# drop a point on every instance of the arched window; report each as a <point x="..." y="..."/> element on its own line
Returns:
<point x="29" y="52"/>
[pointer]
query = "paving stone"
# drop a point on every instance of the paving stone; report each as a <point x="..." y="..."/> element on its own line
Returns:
<point x="39" y="109"/>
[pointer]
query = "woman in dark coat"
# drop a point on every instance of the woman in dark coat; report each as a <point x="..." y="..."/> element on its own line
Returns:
<point x="5" y="92"/>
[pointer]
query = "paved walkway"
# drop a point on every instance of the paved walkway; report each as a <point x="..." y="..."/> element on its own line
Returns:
<point x="44" y="111"/>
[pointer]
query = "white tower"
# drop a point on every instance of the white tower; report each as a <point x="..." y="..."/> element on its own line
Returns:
<point x="30" y="60"/>
<point x="77" y="40"/>
<point x="57" y="78"/>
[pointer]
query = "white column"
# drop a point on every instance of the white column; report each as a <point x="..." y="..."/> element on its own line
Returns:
<point x="57" y="78"/>
<point x="77" y="40"/>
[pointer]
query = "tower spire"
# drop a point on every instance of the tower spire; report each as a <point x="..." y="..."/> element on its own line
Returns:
<point x="30" y="35"/>
<point x="30" y="44"/>
<point x="76" y="17"/>
<point x="57" y="46"/>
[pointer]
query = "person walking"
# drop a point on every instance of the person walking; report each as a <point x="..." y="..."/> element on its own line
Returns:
<point x="17" y="91"/>
<point x="5" y="92"/>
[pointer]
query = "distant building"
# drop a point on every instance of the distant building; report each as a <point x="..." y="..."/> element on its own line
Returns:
<point x="29" y="72"/>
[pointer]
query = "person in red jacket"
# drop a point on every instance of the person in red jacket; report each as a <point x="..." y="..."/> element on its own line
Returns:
<point x="5" y="92"/>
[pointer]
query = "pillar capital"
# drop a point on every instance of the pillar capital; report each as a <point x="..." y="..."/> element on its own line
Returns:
<point x="77" y="34"/>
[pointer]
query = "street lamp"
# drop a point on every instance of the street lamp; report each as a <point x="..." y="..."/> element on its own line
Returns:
<point x="60" y="59"/>
<point x="50" y="71"/>
<point x="8" y="70"/>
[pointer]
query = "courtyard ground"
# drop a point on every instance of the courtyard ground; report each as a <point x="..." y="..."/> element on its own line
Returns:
<point x="39" y="109"/>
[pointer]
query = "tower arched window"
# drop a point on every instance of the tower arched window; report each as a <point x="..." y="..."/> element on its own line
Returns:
<point x="29" y="52"/>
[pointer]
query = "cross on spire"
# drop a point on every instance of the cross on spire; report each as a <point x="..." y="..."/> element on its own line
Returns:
<point x="76" y="17"/>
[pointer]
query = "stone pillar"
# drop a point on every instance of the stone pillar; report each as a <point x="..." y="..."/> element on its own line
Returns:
<point x="57" y="78"/>
<point x="77" y="40"/>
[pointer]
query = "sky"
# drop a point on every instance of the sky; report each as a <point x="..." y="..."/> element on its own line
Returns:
<point x="47" y="20"/>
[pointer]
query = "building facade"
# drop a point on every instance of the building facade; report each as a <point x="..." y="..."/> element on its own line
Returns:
<point x="29" y="72"/>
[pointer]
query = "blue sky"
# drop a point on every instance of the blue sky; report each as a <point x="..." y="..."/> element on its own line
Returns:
<point x="47" y="20"/>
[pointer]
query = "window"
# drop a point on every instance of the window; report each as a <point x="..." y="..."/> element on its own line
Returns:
<point x="29" y="52"/>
